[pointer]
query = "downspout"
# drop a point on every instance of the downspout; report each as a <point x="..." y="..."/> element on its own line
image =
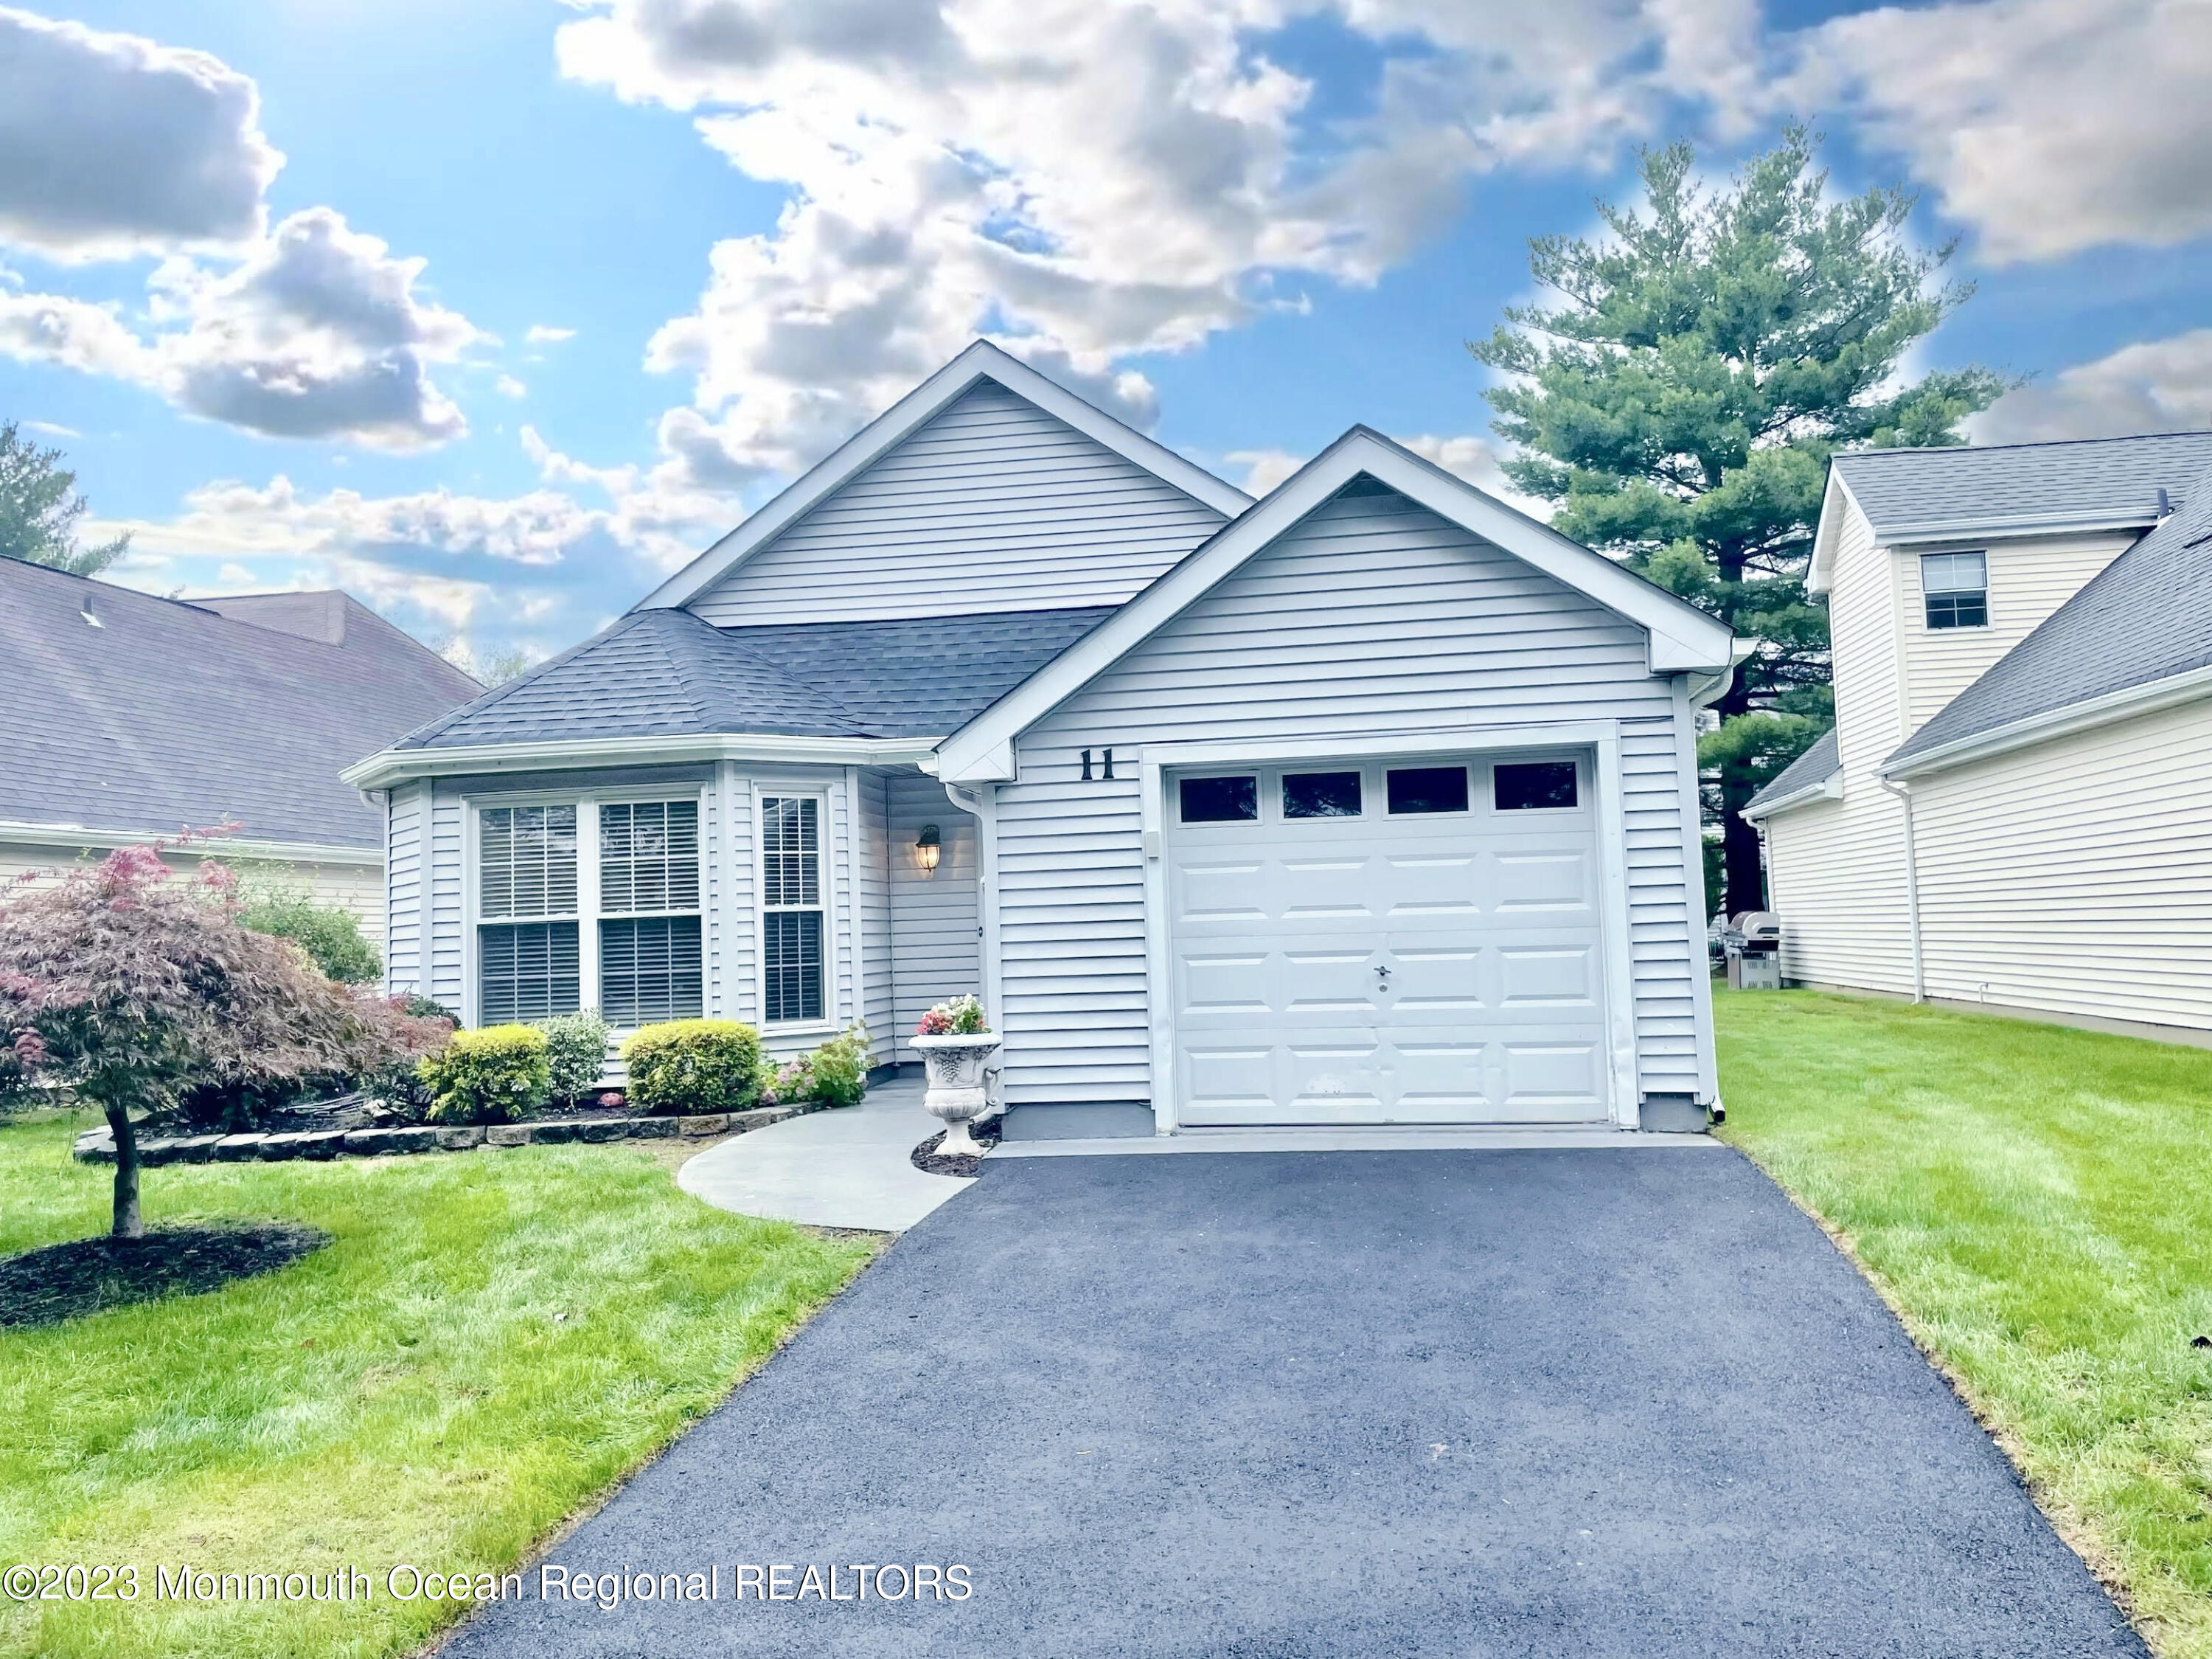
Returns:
<point x="982" y="804"/>
<point x="1904" y="794"/>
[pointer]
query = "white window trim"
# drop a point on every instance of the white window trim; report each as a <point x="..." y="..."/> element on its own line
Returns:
<point x="588" y="883"/>
<point x="820" y="791"/>
<point x="1920" y="580"/>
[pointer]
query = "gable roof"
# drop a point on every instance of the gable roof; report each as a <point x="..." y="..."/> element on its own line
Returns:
<point x="2142" y="624"/>
<point x="981" y="361"/>
<point x="1975" y="490"/>
<point x="1682" y="638"/>
<point x="168" y="713"/>
<point x="1806" y="776"/>
<point x="667" y="676"/>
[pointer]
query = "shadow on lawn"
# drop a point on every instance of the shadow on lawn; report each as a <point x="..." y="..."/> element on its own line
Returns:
<point x="66" y="1281"/>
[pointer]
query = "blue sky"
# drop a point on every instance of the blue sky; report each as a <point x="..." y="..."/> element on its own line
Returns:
<point x="492" y="312"/>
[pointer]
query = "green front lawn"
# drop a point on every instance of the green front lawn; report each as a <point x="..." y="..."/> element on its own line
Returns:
<point x="493" y="1339"/>
<point x="2037" y="1203"/>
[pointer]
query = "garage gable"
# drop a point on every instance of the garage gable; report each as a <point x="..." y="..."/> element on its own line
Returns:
<point x="1364" y="503"/>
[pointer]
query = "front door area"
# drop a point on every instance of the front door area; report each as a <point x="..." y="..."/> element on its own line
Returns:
<point x="1387" y="942"/>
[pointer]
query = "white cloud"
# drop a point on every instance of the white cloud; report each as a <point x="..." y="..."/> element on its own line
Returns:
<point x="318" y="332"/>
<point x="1475" y="460"/>
<point x="116" y="145"/>
<point x="51" y="429"/>
<point x="2049" y="125"/>
<point x="508" y="386"/>
<point x="2154" y="386"/>
<point x="546" y="334"/>
<point x="1085" y="181"/>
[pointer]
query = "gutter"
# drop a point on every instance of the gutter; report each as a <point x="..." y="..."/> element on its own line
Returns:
<point x="391" y="766"/>
<point x="1904" y="794"/>
<point x="1829" y="788"/>
<point x="18" y="834"/>
<point x="2145" y="699"/>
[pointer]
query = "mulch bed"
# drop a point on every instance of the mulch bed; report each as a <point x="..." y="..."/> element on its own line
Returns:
<point x="66" y="1281"/>
<point x="924" y="1157"/>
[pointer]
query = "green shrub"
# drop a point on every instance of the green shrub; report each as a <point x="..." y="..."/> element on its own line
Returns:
<point x="329" y="933"/>
<point x="575" y="1051"/>
<point x="693" y="1065"/>
<point x="495" y="1074"/>
<point x="841" y="1067"/>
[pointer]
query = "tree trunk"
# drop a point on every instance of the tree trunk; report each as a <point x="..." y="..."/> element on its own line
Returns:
<point x="1744" y="876"/>
<point x="129" y="1223"/>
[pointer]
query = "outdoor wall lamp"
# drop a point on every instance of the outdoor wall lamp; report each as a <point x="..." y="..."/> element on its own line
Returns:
<point x="925" y="849"/>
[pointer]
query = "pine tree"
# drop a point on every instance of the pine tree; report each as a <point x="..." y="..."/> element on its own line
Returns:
<point x="38" y="510"/>
<point x="1680" y="405"/>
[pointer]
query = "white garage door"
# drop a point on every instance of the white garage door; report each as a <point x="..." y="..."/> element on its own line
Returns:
<point x="1387" y="942"/>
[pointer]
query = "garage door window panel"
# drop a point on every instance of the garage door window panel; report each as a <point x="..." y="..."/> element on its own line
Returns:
<point x="1219" y="800"/>
<point x="1418" y="789"/>
<point x="1321" y="795"/>
<point x="1534" y="786"/>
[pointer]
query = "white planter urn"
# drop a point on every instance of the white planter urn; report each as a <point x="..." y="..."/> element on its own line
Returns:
<point x="956" y="1086"/>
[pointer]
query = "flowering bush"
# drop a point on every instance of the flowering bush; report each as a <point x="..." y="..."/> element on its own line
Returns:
<point x="962" y="1017"/>
<point x="495" y="1074"/>
<point x="129" y="982"/>
<point x="835" y="1074"/>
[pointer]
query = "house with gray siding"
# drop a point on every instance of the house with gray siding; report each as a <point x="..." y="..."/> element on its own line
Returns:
<point x="1371" y="802"/>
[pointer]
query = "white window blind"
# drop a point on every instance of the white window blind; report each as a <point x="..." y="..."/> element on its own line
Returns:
<point x="527" y="956"/>
<point x="650" y="950"/>
<point x="792" y="970"/>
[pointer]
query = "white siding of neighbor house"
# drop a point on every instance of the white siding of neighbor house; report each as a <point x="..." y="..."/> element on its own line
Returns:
<point x="991" y="505"/>
<point x="2028" y="578"/>
<point x="936" y="952"/>
<point x="1836" y="868"/>
<point x="2075" y="876"/>
<point x="403" y="886"/>
<point x="1373" y="616"/>
<point x="356" y="887"/>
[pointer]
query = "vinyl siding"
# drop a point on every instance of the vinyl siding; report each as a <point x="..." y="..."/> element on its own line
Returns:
<point x="871" y="877"/>
<point x="2075" y="876"/>
<point x="1373" y="616"/>
<point x="993" y="505"/>
<point x="403" y="859"/>
<point x="356" y="887"/>
<point x="2028" y="580"/>
<point x="1836" y="868"/>
<point x="934" y="921"/>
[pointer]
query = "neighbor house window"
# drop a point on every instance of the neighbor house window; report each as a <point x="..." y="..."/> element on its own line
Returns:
<point x="651" y="963"/>
<point x="1956" y="588"/>
<point x="589" y="904"/>
<point x="792" y="972"/>
<point x="528" y="962"/>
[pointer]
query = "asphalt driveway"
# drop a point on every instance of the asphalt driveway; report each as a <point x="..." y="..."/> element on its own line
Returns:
<point x="1484" y="1403"/>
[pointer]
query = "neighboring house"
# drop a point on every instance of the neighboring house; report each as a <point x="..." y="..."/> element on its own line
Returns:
<point x="1369" y="802"/>
<point x="2016" y="806"/>
<point x="130" y="718"/>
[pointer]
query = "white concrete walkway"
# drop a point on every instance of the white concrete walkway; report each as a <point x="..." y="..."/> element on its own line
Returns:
<point x="847" y="1167"/>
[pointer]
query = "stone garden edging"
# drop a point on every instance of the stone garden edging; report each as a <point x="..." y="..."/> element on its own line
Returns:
<point x="98" y="1145"/>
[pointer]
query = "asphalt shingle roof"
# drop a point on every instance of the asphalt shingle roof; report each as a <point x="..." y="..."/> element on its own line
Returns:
<point x="170" y="714"/>
<point x="1910" y="495"/>
<point x="666" y="673"/>
<point x="2146" y="616"/>
<point x="1816" y="765"/>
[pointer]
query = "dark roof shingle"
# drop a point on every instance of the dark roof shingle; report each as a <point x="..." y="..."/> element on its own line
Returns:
<point x="169" y="714"/>
<point x="666" y="673"/>
<point x="1816" y="765"/>
<point x="1910" y="495"/>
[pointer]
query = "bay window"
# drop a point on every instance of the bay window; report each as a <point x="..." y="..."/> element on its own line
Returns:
<point x="589" y="903"/>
